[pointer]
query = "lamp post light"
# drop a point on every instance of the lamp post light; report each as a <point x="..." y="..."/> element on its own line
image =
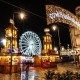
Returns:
<point x="56" y="50"/>
<point x="54" y="27"/>
<point x="22" y="16"/>
<point x="62" y="48"/>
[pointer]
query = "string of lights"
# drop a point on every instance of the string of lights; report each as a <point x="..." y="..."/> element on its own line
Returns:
<point x="56" y="5"/>
<point x="57" y="14"/>
<point x="23" y="9"/>
<point x="34" y="13"/>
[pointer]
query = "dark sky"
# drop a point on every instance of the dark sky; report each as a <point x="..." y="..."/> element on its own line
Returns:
<point x="35" y="19"/>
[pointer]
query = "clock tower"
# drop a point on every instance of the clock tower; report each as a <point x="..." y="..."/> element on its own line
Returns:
<point x="11" y="36"/>
<point x="47" y="42"/>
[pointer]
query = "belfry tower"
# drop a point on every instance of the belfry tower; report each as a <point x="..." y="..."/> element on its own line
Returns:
<point x="47" y="42"/>
<point x="11" y="36"/>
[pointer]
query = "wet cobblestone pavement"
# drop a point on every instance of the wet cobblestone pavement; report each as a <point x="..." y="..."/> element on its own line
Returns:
<point x="14" y="76"/>
<point x="37" y="73"/>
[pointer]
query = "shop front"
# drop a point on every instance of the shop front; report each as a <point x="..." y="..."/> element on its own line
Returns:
<point x="5" y="63"/>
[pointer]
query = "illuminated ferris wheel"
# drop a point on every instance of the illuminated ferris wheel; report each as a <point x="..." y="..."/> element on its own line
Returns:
<point x="30" y="44"/>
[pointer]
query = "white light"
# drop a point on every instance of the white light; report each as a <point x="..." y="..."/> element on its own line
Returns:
<point x="65" y="16"/>
<point x="55" y="48"/>
<point x="31" y="44"/>
<point x="4" y="42"/>
<point x="12" y="21"/>
<point x="22" y="15"/>
<point x="54" y="27"/>
<point x="46" y="30"/>
<point x="62" y="48"/>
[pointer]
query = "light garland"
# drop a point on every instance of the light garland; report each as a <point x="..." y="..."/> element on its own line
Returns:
<point x="77" y="11"/>
<point x="62" y="15"/>
<point x="58" y="14"/>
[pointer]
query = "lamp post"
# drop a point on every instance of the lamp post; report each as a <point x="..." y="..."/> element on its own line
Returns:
<point x="22" y="16"/>
<point x="54" y="27"/>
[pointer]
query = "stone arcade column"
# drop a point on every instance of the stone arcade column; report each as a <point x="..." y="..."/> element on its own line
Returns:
<point x="75" y="41"/>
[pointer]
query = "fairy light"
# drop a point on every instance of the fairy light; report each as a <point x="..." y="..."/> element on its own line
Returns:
<point x="62" y="15"/>
<point x="58" y="14"/>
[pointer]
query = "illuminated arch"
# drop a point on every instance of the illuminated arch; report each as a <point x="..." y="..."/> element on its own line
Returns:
<point x="57" y="14"/>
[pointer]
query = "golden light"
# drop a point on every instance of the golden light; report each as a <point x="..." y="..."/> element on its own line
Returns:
<point x="22" y="15"/>
<point x="54" y="27"/>
<point x="58" y="14"/>
<point x="46" y="30"/>
<point x="10" y="34"/>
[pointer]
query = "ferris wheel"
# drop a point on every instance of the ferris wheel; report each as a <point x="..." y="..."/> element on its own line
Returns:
<point x="30" y="44"/>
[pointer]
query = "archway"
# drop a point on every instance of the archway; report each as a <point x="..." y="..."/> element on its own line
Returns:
<point x="57" y="14"/>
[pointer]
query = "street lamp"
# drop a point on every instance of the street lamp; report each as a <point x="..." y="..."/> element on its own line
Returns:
<point x="22" y="16"/>
<point x="54" y="27"/>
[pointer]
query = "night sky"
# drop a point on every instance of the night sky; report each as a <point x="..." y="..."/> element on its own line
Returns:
<point x="35" y="17"/>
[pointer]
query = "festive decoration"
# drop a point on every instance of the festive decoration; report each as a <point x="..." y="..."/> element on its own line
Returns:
<point x="58" y="14"/>
<point x="77" y="11"/>
<point x="30" y="44"/>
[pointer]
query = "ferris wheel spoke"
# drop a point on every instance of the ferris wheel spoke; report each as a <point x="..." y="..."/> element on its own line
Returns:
<point x="25" y="46"/>
<point x="36" y="49"/>
<point x="24" y="40"/>
<point x="26" y="36"/>
<point x="24" y="49"/>
<point x="37" y="45"/>
<point x="26" y="52"/>
<point x="23" y="43"/>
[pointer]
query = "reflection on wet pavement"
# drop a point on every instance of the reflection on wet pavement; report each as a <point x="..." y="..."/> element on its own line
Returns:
<point x="14" y="76"/>
<point x="30" y="75"/>
<point x="35" y="73"/>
